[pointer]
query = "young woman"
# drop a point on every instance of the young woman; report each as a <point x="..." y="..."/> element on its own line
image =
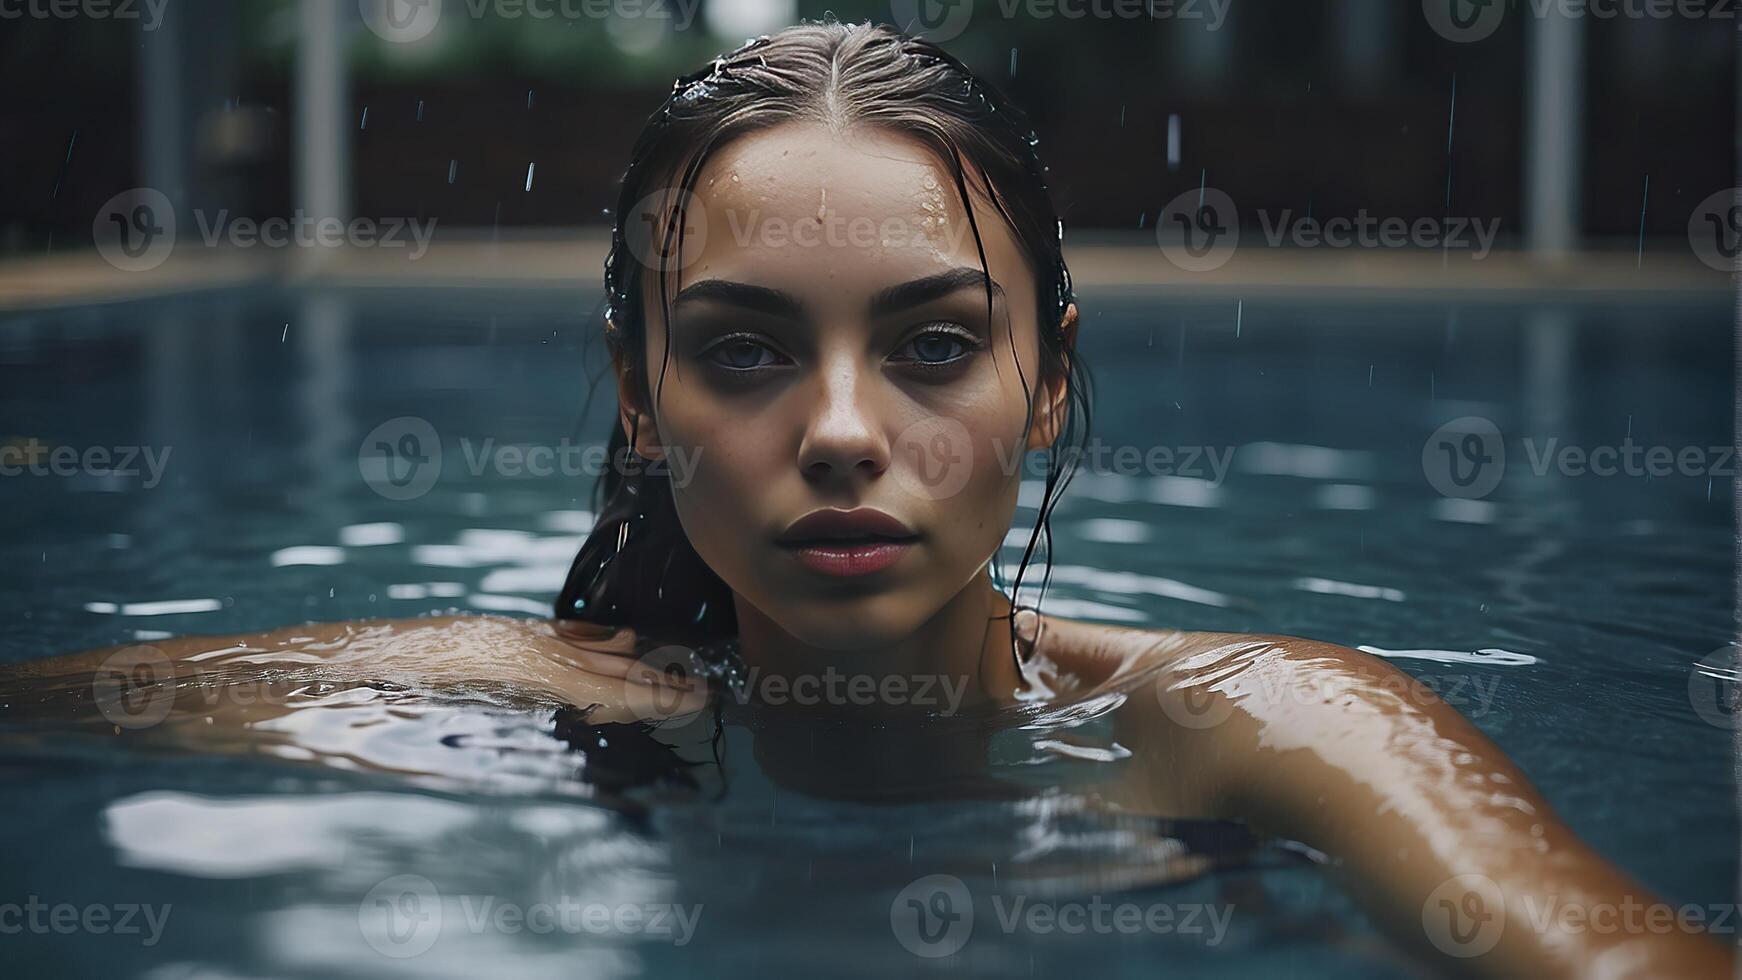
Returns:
<point x="839" y="314"/>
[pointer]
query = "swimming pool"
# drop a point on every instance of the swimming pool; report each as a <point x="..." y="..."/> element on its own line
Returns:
<point x="1262" y="464"/>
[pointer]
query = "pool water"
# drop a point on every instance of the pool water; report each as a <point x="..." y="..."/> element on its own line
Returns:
<point x="1564" y="612"/>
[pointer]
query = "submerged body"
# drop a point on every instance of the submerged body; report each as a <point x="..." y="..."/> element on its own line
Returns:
<point x="1297" y="739"/>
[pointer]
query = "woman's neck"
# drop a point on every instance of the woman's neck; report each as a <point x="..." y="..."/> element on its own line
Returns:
<point x="961" y="656"/>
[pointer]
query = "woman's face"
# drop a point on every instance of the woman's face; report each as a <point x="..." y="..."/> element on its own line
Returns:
<point x="831" y="350"/>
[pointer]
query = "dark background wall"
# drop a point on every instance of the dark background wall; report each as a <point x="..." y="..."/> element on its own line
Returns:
<point x="1332" y="105"/>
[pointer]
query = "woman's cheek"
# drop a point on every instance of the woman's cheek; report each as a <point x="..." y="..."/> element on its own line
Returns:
<point x="729" y="501"/>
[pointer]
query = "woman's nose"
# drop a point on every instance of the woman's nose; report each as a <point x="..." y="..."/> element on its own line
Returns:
<point x="843" y="438"/>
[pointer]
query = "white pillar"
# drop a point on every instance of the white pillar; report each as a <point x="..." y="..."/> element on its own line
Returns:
<point x="323" y="126"/>
<point x="1554" y="131"/>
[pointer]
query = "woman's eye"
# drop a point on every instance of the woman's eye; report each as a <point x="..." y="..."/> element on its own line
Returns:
<point x="742" y="355"/>
<point x="934" y="347"/>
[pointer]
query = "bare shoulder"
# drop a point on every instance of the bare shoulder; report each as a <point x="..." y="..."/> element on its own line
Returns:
<point x="1103" y="654"/>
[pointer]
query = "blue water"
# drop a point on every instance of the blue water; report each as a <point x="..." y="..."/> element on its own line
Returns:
<point x="1594" y="596"/>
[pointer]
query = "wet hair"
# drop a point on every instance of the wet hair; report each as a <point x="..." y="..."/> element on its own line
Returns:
<point x="637" y="567"/>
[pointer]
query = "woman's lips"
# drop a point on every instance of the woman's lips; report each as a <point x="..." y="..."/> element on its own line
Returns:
<point x="846" y="559"/>
<point x="846" y="543"/>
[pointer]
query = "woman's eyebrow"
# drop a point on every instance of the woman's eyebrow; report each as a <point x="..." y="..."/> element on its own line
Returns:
<point x="904" y="295"/>
<point x="760" y="299"/>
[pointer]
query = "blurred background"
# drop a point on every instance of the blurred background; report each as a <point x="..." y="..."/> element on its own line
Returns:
<point x="1601" y="127"/>
<point x="204" y="434"/>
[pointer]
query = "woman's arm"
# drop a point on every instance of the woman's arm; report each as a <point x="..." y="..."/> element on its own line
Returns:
<point x="1439" y="834"/>
<point x="566" y="662"/>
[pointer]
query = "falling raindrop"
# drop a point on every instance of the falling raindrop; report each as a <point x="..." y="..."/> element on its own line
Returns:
<point x="1012" y="62"/>
<point x="1645" y="200"/>
<point x="453" y="170"/>
<point x="365" y="123"/>
<point x="529" y="169"/>
<point x="420" y="110"/>
<point x="1451" y="123"/>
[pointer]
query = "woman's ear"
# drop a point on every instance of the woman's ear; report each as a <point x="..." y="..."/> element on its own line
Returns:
<point x="1053" y="408"/>
<point x="632" y="413"/>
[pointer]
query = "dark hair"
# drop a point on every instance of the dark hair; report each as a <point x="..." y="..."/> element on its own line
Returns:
<point x="637" y="568"/>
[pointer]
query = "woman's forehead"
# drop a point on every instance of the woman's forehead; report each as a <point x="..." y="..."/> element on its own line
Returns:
<point x="807" y="208"/>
